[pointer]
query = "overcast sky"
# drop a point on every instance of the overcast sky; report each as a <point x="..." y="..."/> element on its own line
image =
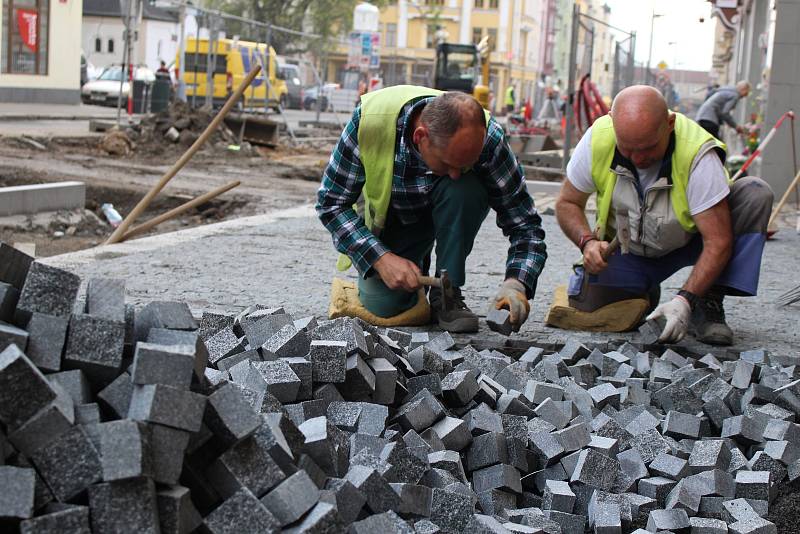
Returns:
<point x="693" y="40"/>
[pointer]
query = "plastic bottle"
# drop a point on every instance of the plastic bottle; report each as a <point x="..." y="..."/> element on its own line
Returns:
<point x="112" y="216"/>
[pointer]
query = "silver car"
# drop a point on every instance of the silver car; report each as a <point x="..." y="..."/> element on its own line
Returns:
<point x="104" y="90"/>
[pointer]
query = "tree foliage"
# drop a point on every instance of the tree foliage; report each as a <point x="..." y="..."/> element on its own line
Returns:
<point x="330" y="19"/>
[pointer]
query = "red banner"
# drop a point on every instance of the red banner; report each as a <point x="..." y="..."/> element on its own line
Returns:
<point x="27" y="24"/>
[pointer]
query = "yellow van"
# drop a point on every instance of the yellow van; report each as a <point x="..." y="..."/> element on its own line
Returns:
<point x="234" y="59"/>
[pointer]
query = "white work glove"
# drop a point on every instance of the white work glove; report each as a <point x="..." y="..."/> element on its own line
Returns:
<point x="677" y="313"/>
<point x="512" y="297"/>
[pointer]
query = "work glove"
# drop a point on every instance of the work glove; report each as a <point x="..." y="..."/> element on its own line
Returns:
<point x="511" y="296"/>
<point x="677" y="313"/>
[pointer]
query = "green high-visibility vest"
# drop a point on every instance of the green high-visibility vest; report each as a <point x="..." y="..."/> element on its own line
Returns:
<point x="691" y="141"/>
<point x="377" y="135"/>
<point x="510" y="96"/>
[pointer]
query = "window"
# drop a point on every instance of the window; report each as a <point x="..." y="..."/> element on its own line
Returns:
<point x="391" y="34"/>
<point x="25" y="36"/>
<point x="98" y="45"/>
<point x="479" y="4"/>
<point x="493" y="4"/>
<point x="111" y="46"/>
<point x="477" y="35"/>
<point x="492" y="38"/>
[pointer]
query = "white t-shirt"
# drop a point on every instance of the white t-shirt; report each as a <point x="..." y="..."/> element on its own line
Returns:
<point x="708" y="184"/>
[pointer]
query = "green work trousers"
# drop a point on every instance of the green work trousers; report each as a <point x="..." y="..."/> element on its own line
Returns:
<point x="458" y="209"/>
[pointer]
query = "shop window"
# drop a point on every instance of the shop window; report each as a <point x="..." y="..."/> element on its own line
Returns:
<point x="25" y="35"/>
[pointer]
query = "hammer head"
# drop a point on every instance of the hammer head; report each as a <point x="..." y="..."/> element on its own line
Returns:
<point x="447" y="290"/>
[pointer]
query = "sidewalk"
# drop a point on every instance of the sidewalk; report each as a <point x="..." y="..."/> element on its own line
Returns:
<point x="16" y="112"/>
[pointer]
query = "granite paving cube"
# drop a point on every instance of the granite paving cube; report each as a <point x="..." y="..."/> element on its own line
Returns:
<point x="631" y="463"/>
<point x="176" y="511"/>
<point x="742" y="374"/>
<point x="745" y="430"/>
<point x="16" y="499"/>
<point x="650" y="444"/>
<point x="487" y="449"/>
<point x="11" y="335"/>
<point x="668" y="520"/>
<point x="117" y="396"/>
<point x="709" y="454"/>
<point x="379" y="494"/>
<point x="755" y="525"/>
<point x="105" y="298"/>
<point x="451" y="511"/>
<point x="574" y="437"/>
<point x="166" y="405"/>
<point x="761" y="461"/>
<point x="501" y="476"/>
<point x="558" y="496"/>
<point x="9" y="296"/>
<point x="549" y="411"/>
<point x="359" y="379"/>
<point x="605" y="394"/>
<point x="326" y="444"/>
<point x="45" y="425"/>
<point x="281" y="381"/>
<point x="46" y="337"/>
<point x="453" y="432"/>
<point x="427" y="360"/>
<point x="24" y="390"/>
<point x="58" y="518"/>
<point x="405" y="466"/>
<point x="680" y="425"/>
<point x="163" y="314"/>
<point x="651" y="330"/>
<point x="247" y="464"/>
<point x="287" y="342"/>
<point x="228" y="415"/>
<point x="229" y="362"/>
<point x="485" y="524"/>
<point x="47" y="290"/>
<point x="499" y="321"/>
<point x="321" y="519"/>
<point x="14" y="265"/>
<point x="669" y="466"/>
<point x="713" y="482"/>
<point x="346" y="498"/>
<point x="125" y="450"/>
<point x="386" y="376"/>
<point x="241" y="512"/>
<point x="656" y="488"/>
<point x="328" y="361"/>
<point x="292" y="498"/>
<point x="459" y="388"/>
<point x="160" y="364"/>
<point x="754" y="485"/>
<point x="607" y="518"/>
<point x="685" y="495"/>
<point x="95" y="346"/>
<point x="302" y="368"/>
<point x="449" y="461"/>
<point x="69" y="464"/>
<point x="387" y="523"/>
<point x="124" y="505"/>
<point x="222" y="344"/>
<point x="415" y="500"/>
<point x="167" y="447"/>
<point x="595" y="469"/>
<point x="74" y="383"/>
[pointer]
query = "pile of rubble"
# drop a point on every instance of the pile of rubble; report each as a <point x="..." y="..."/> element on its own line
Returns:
<point x="168" y="131"/>
<point x="116" y="420"/>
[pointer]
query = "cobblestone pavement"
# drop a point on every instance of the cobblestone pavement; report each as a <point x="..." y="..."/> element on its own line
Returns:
<point x="285" y="258"/>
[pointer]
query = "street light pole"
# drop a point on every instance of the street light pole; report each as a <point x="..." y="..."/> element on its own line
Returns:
<point x="653" y="17"/>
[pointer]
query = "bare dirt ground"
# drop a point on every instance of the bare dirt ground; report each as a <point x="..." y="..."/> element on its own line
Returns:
<point x="270" y="179"/>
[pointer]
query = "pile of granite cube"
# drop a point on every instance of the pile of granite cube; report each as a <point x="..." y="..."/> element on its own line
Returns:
<point x="157" y="420"/>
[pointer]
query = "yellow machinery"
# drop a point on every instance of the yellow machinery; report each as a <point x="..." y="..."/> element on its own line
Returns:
<point x="463" y="68"/>
<point x="234" y="59"/>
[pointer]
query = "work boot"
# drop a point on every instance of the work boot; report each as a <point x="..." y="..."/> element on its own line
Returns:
<point x="708" y="321"/>
<point x="457" y="319"/>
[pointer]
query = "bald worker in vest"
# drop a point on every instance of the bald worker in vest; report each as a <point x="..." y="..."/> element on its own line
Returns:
<point x="428" y="166"/>
<point x="660" y="175"/>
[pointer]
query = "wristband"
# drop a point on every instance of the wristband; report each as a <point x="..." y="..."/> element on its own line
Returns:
<point x="690" y="297"/>
<point x="585" y="238"/>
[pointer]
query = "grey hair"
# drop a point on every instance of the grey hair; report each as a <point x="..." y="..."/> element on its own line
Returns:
<point x="742" y="85"/>
<point x="448" y="113"/>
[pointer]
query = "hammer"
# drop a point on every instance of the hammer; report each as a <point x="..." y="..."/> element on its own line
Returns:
<point x="443" y="283"/>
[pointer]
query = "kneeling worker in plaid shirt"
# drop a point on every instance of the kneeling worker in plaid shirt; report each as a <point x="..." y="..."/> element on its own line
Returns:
<point x="427" y="166"/>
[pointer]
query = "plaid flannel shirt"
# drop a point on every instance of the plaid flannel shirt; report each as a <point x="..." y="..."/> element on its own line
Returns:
<point x="497" y="168"/>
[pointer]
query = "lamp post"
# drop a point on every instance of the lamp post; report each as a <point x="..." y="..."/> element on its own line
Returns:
<point x="653" y="17"/>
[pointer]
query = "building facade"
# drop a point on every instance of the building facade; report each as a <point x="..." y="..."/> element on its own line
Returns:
<point x="408" y="41"/>
<point x="40" y="47"/>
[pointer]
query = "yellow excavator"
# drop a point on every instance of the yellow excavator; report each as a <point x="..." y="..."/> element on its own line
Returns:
<point x="464" y="67"/>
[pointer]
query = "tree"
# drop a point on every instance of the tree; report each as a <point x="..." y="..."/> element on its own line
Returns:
<point x="327" y="18"/>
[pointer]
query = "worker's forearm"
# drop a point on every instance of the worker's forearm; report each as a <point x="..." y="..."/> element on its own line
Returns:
<point x="709" y="266"/>
<point x="572" y="220"/>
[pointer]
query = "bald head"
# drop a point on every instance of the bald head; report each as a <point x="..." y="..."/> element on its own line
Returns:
<point x="642" y="124"/>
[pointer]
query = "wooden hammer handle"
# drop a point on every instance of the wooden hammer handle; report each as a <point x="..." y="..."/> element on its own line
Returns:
<point x="429" y="281"/>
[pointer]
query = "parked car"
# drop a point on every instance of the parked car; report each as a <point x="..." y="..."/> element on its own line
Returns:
<point x="310" y="96"/>
<point x="293" y="99"/>
<point x="104" y="90"/>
